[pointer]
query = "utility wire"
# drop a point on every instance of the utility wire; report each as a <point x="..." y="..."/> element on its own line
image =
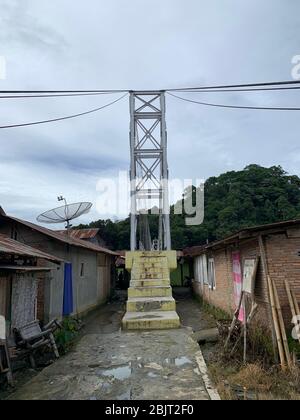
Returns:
<point x="249" y="85"/>
<point x="12" y="92"/>
<point x="63" y="95"/>
<point x="235" y="106"/>
<point x="70" y="95"/>
<point x="64" y="118"/>
<point x="225" y="88"/>
<point x="238" y="90"/>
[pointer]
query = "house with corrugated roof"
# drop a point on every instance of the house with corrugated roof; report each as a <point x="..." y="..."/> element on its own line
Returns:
<point x="219" y="268"/>
<point x="89" y="235"/>
<point x="23" y="271"/>
<point x="83" y="282"/>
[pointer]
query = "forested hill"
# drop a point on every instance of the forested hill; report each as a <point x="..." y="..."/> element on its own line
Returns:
<point x="233" y="200"/>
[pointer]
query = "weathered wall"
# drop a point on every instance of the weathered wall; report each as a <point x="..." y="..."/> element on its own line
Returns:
<point x="89" y="290"/>
<point x="283" y="257"/>
<point x="222" y="296"/>
<point x="284" y="263"/>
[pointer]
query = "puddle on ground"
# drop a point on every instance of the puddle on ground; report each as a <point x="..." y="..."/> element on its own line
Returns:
<point x="121" y="373"/>
<point x="152" y="375"/>
<point x="181" y="361"/>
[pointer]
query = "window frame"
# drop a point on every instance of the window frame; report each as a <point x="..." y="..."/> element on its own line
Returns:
<point x="212" y="283"/>
<point x="82" y="270"/>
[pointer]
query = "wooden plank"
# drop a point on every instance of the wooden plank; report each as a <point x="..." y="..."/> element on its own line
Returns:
<point x="3" y="295"/>
<point x="276" y="324"/>
<point x="282" y="327"/>
<point x="266" y="273"/>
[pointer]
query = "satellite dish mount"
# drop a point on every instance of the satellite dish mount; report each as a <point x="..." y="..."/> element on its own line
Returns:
<point x="65" y="214"/>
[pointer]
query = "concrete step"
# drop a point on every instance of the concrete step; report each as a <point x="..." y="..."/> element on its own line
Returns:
<point x="150" y="274"/>
<point x="149" y="282"/>
<point x="153" y="291"/>
<point x="151" y="304"/>
<point x="151" y="320"/>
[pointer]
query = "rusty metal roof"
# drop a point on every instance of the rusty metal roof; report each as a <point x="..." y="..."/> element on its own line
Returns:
<point x="243" y="234"/>
<point x="83" y="234"/>
<point x="63" y="237"/>
<point x="24" y="268"/>
<point x="11" y="247"/>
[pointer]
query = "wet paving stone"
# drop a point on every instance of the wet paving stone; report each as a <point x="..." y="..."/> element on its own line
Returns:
<point x="115" y="365"/>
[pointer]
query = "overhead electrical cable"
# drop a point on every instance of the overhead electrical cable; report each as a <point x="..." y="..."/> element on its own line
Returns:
<point x="235" y="106"/>
<point x="249" y="85"/>
<point x="64" y="118"/>
<point x="29" y="95"/>
<point x="56" y="95"/>
<point x="285" y="85"/>
<point x="239" y="90"/>
<point x="12" y="92"/>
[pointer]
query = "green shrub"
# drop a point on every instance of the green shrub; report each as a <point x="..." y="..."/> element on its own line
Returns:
<point x="67" y="335"/>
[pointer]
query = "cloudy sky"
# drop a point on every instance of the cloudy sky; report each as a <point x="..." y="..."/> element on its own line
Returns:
<point x="139" y="44"/>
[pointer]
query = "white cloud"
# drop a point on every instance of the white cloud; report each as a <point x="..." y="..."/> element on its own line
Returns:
<point x="64" y="44"/>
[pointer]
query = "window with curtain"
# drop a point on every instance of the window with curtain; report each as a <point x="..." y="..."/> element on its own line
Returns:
<point x="201" y="270"/>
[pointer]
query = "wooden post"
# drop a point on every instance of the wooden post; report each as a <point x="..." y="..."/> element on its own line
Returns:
<point x="276" y="324"/>
<point x="266" y="272"/>
<point x="245" y="329"/>
<point x="282" y="327"/>
<point x="234" y="321"/>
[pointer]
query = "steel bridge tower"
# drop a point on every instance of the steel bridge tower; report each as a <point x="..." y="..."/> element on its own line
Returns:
<point x="149" y="172"/>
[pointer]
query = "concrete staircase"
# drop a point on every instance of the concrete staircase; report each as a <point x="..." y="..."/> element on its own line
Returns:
<point x="150" y="303"/>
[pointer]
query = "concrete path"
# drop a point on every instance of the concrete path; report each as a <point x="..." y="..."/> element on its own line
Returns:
<point x="114" y="365"/>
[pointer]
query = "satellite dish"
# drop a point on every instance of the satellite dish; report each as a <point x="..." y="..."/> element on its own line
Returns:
<point x="65" y="213"/>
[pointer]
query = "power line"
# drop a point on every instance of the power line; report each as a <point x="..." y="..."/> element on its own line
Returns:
<point x="241" y="87"/>
<point x="63" y="95"/>
<point x="249" y="85"/>
<point x="235" y="106"/>
<point x="30" y="95"/>
<point x="238" y="90"/>
<point x="12" y="92"/>
<point x="64" y="118"/>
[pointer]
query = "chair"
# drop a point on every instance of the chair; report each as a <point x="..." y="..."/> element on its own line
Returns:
<point x="5" y="365"/>
<point x="32" y="337"/>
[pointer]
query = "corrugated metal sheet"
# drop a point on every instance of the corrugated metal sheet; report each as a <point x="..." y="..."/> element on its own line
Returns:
<point x="81" y="233"/>
<point x="24" y="269"/>
<point x="242" y="234"/>
<point x="12" y="247"/>
<point x="63" y="237"/>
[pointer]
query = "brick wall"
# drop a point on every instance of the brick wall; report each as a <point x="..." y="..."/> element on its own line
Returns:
<point x="283" y="262"/>
<point x="222" y="296"/>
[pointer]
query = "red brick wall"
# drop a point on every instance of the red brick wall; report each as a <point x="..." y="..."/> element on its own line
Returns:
<point x="222" y="296"/>
<point x="283" y="263"/>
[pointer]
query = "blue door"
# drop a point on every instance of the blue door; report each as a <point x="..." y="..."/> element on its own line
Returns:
<point x="68" y="305"/>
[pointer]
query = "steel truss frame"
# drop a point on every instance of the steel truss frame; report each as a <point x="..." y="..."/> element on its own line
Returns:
<point x="149" y="174"/>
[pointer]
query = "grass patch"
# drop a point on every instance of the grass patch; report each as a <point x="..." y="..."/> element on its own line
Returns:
<point x="253" y="382"/>
<point x="65" y="338"/>
<point x="217" y="313"/>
